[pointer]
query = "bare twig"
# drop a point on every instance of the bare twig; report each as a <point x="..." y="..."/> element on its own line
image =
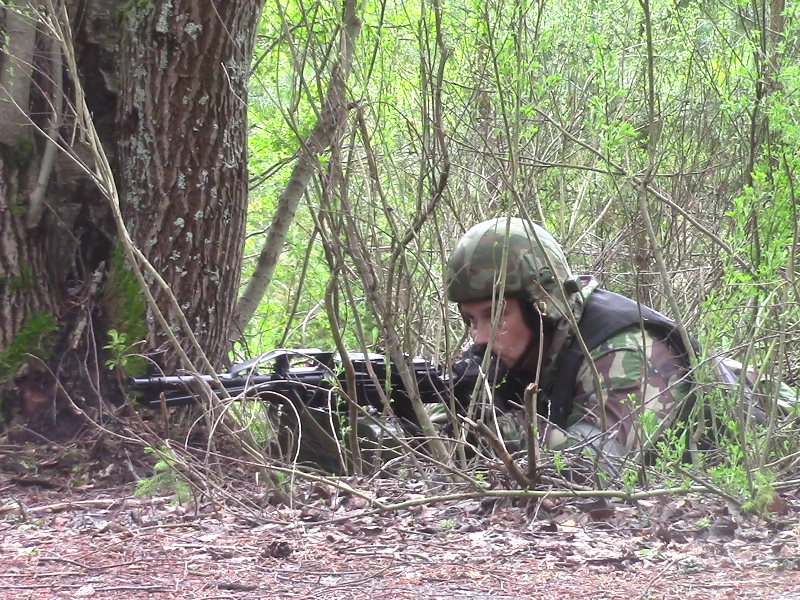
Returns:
<point x="503" y="454"/>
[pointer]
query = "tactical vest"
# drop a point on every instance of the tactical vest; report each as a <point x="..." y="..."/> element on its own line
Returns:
<point x="605" y="314"/>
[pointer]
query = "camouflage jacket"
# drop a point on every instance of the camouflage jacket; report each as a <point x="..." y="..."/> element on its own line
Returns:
<point x="643" y="385"/>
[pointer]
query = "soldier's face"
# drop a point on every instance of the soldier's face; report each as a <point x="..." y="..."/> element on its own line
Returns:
<point x="512" y="336"/>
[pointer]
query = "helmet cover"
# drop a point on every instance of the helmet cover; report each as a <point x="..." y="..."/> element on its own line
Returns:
<point x="473" y="270"/>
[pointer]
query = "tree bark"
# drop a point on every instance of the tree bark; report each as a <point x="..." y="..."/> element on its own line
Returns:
<point x="25" y="277"/>
<point x="15" y="72"/>
<point x="166" y="86"/>
<point x="183" y="162"/>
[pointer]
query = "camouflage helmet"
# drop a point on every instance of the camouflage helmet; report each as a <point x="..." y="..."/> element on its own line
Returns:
<point x="472" y="272"/>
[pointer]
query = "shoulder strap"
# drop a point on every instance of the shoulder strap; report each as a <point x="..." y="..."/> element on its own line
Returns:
<point x="604" y="315"/>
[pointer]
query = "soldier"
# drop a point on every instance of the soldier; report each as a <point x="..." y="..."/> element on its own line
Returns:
<point x="637" y="352"/>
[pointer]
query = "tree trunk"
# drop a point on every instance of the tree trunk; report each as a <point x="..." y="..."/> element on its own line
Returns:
<point x="166" y="86"/>
<point x="25" y="288"/>
<point x="183" y="109"/>
<point x="15" y="76"/>
<point x="25" y="284"/>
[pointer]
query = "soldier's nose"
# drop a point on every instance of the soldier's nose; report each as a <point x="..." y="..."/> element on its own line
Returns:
<point x="480" y="334"/>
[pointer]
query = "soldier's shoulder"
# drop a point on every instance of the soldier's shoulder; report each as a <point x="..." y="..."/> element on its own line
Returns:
<point x="632" y="338"/>
<point x="644" y="343"/>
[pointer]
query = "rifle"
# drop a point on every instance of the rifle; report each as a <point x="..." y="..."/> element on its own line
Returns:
<point x="308" y="379"/>
<point x="308" y="376"/>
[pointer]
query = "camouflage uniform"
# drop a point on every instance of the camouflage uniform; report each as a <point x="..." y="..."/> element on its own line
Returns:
<point x="643" y="379"/>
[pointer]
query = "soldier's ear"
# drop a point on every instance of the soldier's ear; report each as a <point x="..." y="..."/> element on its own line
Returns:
<point x="531" y="316"/>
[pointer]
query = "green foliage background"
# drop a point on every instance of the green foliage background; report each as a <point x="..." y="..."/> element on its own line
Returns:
<point x="544" y="112"/>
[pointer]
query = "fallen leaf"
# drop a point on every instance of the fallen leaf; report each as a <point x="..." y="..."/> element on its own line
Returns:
<point x="278" y="549"/>
<point x="570" y="526"/>
<point x="663" y="533"/>
<point x="84" y="591"/>
<point x="602" y="513"/>
<point x="778" y="505"/>
<point x="723" y="527"/>
<point x="310" y="514"/>
<point x="354" y="503"/>
<point x="550" y="505"/>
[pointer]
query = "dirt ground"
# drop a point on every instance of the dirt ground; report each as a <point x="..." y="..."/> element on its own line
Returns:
<point x="91" y="541"/>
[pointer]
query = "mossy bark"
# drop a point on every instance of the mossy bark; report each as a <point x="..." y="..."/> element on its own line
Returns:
<point x="36" y="338"/>
<point x="25" y="260"/>
<point x="123" y="300"/>
<point x="47" y="258"/>
<point x="171" y="116"/>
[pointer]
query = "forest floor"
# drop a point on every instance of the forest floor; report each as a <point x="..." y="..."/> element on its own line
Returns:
<point x="63" y="536"/>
